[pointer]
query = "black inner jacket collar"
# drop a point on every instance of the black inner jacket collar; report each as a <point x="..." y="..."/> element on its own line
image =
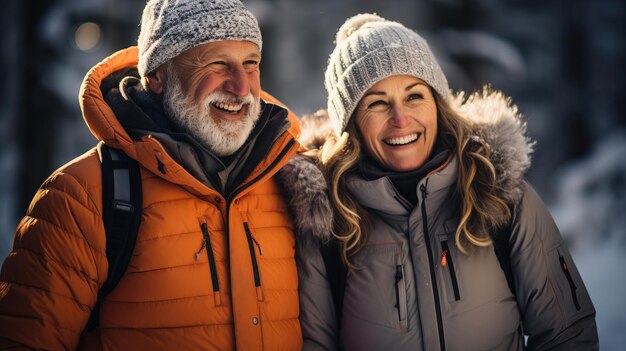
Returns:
<point x="139" y="111"/>
<point x="404" y="182"/>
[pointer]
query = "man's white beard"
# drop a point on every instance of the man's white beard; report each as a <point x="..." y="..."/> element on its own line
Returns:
<point x="222" y="137"/>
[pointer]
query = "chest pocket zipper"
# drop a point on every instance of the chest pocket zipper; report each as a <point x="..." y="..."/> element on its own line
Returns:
<point x="446" y="261"/>
<point x="255" y="265"/>
<point x="206" y="245"/>
<point x="568" y="276"/>
<point x="401" y="303"/>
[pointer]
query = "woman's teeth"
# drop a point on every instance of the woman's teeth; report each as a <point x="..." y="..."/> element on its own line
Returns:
<point x="402" y="140"/>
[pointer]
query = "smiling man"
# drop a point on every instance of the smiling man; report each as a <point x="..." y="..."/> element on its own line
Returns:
<point x="213" y="264"/>
<point x="219" y="80"/>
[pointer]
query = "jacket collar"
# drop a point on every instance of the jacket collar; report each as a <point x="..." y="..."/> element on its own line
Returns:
<point x="147" y="150"/>
<point x="495" y="120"/>
<point x="381" y="195"/>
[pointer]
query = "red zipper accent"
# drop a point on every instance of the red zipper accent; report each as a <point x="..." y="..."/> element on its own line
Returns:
<point x="444" y="259"/>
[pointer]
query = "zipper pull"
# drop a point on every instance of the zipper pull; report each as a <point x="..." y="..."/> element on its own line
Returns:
<point x="563" y="264"/>
<point x="444" y="258"/>
<point x="205" y="238"/>
<point x="257" y="244"/>
<point x="251" y="237"/>
<point x="399" y="273"/>
<point x="423" y="189"/>
<point x="201" y="249"/>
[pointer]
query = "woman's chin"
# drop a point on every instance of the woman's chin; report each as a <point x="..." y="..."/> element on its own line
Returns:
<point x="404" y="166"/>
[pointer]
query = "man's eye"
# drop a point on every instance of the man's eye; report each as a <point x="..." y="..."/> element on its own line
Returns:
<point x="217" y="64"/>
<point x="251" y="65"/>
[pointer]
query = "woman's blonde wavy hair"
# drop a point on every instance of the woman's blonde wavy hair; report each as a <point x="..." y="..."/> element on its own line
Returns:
<point x="481" y="209"/>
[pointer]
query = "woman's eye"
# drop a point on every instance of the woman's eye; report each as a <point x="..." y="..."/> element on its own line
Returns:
<point x="413" y="100"/>
<point x="415" y="97"/>
<point x="378" y="105"/>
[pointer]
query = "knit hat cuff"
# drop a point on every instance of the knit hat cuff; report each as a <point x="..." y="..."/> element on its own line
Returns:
<point x="388" y="61"/>
<point x="197" y="29"/>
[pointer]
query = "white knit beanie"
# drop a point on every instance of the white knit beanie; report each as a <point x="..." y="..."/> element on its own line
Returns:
<point x="169" y="27"/>
<point x="369" y="49"/>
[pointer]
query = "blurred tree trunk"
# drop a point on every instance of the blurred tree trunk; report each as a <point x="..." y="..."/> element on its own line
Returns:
<point x="9" y="63"/>
<point x="37" y="109"/>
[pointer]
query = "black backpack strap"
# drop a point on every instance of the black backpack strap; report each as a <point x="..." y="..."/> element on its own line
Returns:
<point x="121" y="214"/>
<point x="336" y="273"/>
<point x="502" y="248"/>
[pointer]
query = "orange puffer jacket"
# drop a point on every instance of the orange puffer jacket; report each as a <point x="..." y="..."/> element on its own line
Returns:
<point x="168" y="298"/>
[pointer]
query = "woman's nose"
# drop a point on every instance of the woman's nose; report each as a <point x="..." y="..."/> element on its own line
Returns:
<point x="398" y="118"/>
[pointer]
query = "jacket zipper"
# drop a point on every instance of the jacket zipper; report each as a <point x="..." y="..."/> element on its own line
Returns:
<point x="572" y="286"/>
<point x="401" y="303"/>
<point x="251" y="242"/>
<point x="212" y="266"/>
<point x="442" y="343"/>
<point x="233" y="195"/>
<point x="446" y="260"/>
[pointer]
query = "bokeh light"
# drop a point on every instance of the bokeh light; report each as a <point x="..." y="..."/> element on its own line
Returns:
<point x="87" y="36"/>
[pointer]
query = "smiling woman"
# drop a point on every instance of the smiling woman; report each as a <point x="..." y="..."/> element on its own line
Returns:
<point x="436" y="230"/>
<point x="397" y="119"/>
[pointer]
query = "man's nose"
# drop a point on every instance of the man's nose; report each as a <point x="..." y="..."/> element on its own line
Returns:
<point x="237" y="82"/>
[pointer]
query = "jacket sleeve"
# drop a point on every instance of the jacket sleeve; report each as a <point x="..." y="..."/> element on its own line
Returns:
<point x="49" y="281"/>
<point x="317" y="311"/>
<point x="556" y="309"/>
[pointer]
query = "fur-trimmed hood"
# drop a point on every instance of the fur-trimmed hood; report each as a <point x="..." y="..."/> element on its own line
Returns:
<point x="499" y="123"/>
<point x="496" y="120"/>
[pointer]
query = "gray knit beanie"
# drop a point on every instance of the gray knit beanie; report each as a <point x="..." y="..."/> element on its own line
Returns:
<point x="369" y="49"/>
<point x="169" y="27"/>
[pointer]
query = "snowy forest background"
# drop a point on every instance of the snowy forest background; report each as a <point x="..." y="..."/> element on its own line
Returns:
<point x="562" y="61"/>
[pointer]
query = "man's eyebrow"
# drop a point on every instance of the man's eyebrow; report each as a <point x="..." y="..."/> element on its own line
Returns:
<point x="221" y="56"/>
<point x="254" y="55"/>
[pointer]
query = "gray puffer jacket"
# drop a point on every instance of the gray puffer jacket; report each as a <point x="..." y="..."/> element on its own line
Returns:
<point x="414" y="290"/>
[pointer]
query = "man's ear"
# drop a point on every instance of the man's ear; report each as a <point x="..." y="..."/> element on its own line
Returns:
<point x="156" y="81"/>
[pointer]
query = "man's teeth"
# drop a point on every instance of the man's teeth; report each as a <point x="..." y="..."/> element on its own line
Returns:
<point x="228" y="107"/>
<point x="401" y="140"/>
